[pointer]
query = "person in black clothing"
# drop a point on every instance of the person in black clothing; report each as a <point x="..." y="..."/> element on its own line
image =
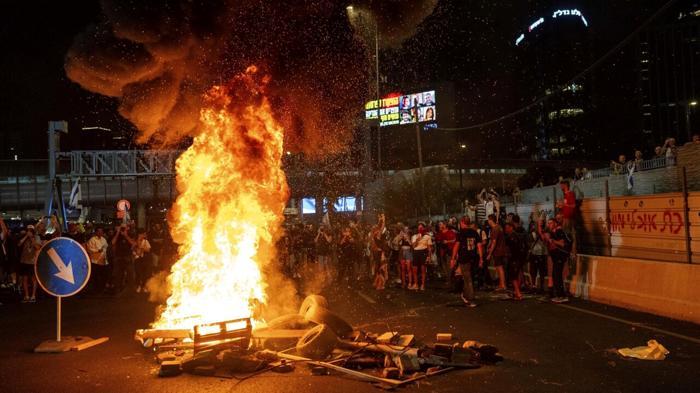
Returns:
<point x="346" y="260"/>
<point x="559" y="247"/>
<point x="516" y="240"/>
<point x="467" y="251"/>
<point x="123" y="261"/>
<point x="538" y="256"/>
<point x="156" y="236"/>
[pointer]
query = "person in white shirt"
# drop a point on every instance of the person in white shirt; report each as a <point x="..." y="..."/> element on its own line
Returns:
<point x="30" y="245"/>
<point x="141" y="250"/>
<point x="422" y="245"/>
<point x="97" y="250"/>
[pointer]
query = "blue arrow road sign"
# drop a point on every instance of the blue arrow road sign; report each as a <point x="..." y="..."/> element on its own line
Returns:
<point x="62" y="267"/>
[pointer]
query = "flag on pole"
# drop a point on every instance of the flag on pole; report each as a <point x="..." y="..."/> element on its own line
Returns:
<point x="630" y="174"/>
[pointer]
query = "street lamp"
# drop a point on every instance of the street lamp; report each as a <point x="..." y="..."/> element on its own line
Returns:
<point x="352" y="15"/>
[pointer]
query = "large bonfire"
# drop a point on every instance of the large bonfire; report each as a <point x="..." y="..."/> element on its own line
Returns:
<point x="232" y="192"/>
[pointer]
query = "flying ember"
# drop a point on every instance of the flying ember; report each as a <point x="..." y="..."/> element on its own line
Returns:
<point x="232" y="192"/>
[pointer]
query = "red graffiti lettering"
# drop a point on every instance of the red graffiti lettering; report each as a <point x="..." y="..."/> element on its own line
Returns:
<point x="617" y="222"/>
<point x="646" y="222"/>
<point x="672" y="222"/>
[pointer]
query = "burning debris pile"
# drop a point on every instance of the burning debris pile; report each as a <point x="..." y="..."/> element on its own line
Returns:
<point x="315" y="336"/>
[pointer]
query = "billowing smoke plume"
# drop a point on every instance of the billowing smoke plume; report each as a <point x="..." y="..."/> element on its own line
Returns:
<point x="158" y="57"/>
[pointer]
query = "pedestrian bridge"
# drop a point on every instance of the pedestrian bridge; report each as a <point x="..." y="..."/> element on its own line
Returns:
<point x="102" y="177"/>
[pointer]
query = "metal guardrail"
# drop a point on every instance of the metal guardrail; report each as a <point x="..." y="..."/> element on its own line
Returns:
<point x="121" y="162"/>
<point x="643" y="165"/>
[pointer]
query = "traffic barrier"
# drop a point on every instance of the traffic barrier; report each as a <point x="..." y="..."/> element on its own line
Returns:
<point x="667" y="289"/>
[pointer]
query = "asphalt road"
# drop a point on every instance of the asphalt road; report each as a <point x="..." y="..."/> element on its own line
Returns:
<point x="547" y="348"/>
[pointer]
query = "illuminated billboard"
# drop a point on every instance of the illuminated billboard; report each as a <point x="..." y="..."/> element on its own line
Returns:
<point x="403" y="109"/>
<point x="555" y="15"/>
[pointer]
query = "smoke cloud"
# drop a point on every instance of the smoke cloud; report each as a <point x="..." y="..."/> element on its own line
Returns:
<point x="158" y="58"/>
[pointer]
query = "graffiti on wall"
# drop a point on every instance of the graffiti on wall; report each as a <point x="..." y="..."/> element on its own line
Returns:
<point x="669" y="221"/>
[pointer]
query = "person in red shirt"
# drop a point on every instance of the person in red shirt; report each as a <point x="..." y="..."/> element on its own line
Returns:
<point x="567" y="206"/>
<point x="497" y="250"/>
<point x="445" y="239"/>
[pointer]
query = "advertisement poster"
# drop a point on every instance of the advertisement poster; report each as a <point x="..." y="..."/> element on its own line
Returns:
<point x="405" y="109"/>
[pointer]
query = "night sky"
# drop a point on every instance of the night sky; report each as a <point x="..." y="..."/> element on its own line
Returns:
<point x="466" y="42"/>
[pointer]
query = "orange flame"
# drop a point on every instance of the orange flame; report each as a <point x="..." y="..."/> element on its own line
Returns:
<point x="232" y="195"/>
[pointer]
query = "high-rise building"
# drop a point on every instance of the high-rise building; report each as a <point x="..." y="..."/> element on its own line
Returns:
<point x="669" y="75"/>
<point x="553" y="47"/>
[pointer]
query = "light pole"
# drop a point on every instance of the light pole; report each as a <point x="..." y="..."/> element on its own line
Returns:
<point x="688" y="130"/>
<point x="352" y="14"/>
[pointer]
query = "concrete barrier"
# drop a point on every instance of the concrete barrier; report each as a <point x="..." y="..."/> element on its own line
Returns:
<point x="662" y="288"/>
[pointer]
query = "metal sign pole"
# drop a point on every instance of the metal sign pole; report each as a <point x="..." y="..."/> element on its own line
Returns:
<point x="58" y="319"/>
<point x="62" y="268"/>
<point x="419" y="147"/>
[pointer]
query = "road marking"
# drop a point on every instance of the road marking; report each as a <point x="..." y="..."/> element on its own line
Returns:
<point x="369" y="299"/>
<point x="632" y="323"/>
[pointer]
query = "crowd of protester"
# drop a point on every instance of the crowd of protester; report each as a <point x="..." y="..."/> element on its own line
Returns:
<point x="122" y="258"/>
<point x="458" y="254"/>
<point x="485" y="249"/>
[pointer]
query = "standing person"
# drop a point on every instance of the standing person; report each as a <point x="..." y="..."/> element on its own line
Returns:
<point x="469" y="210"/>
<point x="481" y="272"/>
<point x="123" y="270"/>
<point x="30" y="245"/>
<point x="467" y="252"/>
<point x="670" y="151"/>
<point x="323" y="250"/>
<point x="516" y="240"/>
<point x="480" y="208"/>
<point x="490" y="206"/>
<point x="659" y="152"/>
<point x="382" y="269"/>
<point x="497" y="251"/>
<point x="346" y="257"/>
<point x="377" y="243"/>
<point x="422" y="245"/>
<point x="406" y="258"/>
<point x="538" y="256"/>
<point x="567" y="206"/>
<point x="395" y="252"/>
<point x="379" y="247"/>
<point x="494" y="204"/>
<point x="142" y="263"/>
<point x="559" y="246"/>
<point x="445" y="239"/>
<point x="156" y="237"/>
<point x="5" y="253"/>
<point x="97" y="250"/>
